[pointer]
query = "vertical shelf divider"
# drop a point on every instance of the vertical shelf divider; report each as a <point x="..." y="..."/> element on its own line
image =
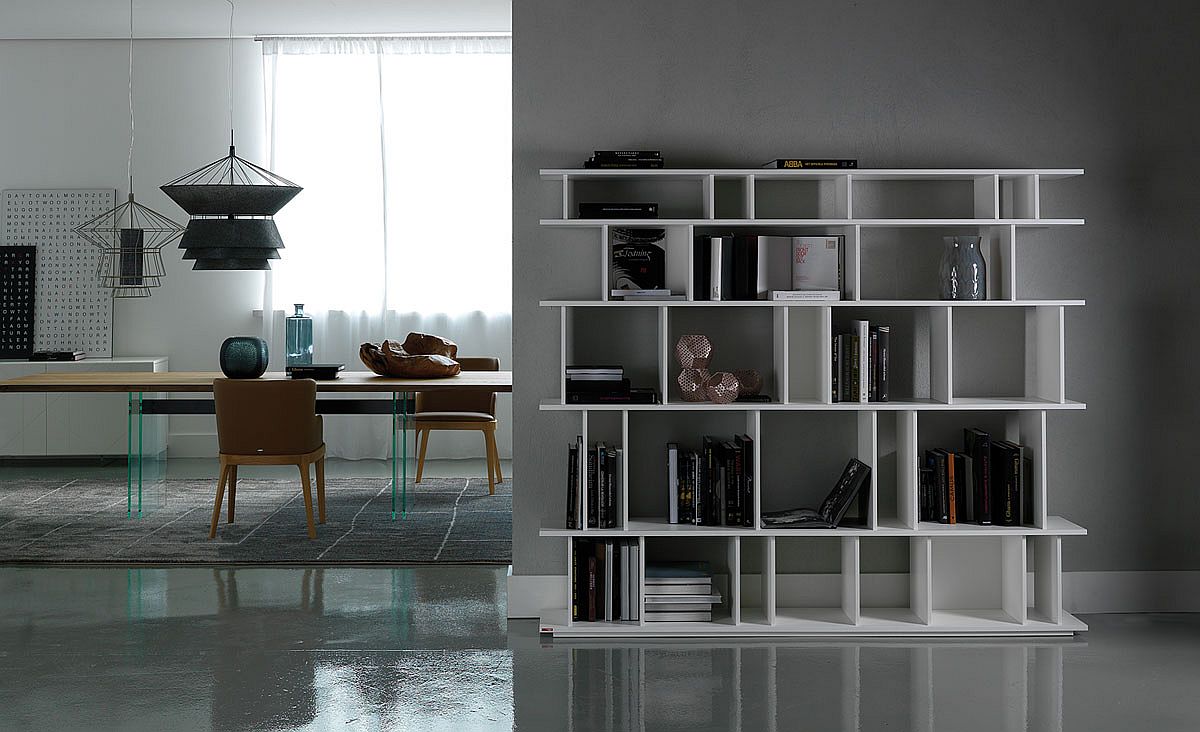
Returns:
<point x="920" y="575"/>
<point x="624" y="468"/>
<point x="583" y="482"/>
<point x="754" y="429"/>
<point x="1047" y="578"/>
<point x="868" y="452"/>
<point x="689" y="288"/>
<point x="851" y="579"/>
<point x="987" y="196"/>
<point x="826" y="350"/>
<point x="566" y="346"/>
<point x="733" y="554"/>
<point x="852" y="279"/>
<point x="782" y="377"/>
<point x="1013" y="600"/>
<point x="769" y="577"/>
<point x="1045" y="358"/>
<point x="907" y="468"/>
<point x="748" y="196"/>
<point x="641" y="583"/>
<point x="844" y="197"/>
<point x="1031" y="432"/>
<point x="664" y="353"/>
<point x="567" y="599"/>
<point x="941" y="354"/>
<point x="568" y="196"/>
<point x="708" y="188"/>
<point x="605" y="283"/>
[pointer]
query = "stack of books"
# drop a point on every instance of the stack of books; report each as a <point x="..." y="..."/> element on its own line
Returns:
<point x="604" y="384"/>
<point x="606" y="580"/>
<point x="751" y="267"/>
<point x="987" y="482"/>
<point x="679" y="592"/>
<point x="593" y="485"/>
<point x="861" y="363"/>
<point x="712" y="486"/>
<point x="625" y="159"/>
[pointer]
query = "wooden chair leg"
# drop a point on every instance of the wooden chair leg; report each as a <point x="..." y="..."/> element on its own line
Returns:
<point x="491" y="437"/>
<point x="212" y="529"/>
<point x="321" y="489"/>
<point x="491" y="464"/>
<point x="232" y="487"/>
<point x="306" y="482"/>
<point x="422" y="444"/>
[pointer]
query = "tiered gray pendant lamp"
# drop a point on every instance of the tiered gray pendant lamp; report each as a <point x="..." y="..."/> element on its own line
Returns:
<point x="131" y="236"/>
<point x="231" y="202"/>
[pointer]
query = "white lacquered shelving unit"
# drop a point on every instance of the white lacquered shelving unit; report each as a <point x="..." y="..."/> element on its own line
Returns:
<point x="961" y="580"/>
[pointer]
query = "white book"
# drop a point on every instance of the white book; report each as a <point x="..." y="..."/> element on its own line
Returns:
<point x="640" y="293"/>
<point x="713" y="599"/>
<point x="589" y="376"/>
<point x="608" y="581"/>
<point x="817" y="263"/>
<point x="803" y="295"/>
<point x="637" y="580"/>
<point x="715" y="270"/>
<point x="673" y="483"/>
<point x="679" y="617"/>
<point x="658" y="590"/>
<point x="862" y="329"/>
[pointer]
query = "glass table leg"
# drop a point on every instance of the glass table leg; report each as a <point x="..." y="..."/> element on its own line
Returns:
<point x="141" y="450"/>
<point x="404" y="452"/>
<point x="129" y="459"/>
<point x="393" y="455"/>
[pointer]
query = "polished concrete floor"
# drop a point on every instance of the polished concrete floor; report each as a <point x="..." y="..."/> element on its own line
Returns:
<point x="428" y="648"/>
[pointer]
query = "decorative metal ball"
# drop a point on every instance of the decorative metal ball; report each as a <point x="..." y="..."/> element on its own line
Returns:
<point x="722" y="388"/>
<point x="244" y="357"/>
<point x="750" y="382"/>
<point x="693" y="351"/>
<point x="691" y="384"/>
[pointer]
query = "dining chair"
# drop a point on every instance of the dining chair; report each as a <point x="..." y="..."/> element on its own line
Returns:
<point x="444" y="410"/>
<point x="269" y="422"/>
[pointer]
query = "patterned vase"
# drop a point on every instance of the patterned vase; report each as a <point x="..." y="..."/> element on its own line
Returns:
<point x="963" y="274"/>
<point x="244" y="357"/>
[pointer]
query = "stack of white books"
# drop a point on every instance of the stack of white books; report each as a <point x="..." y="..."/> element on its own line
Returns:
<point x="679" y="592"/>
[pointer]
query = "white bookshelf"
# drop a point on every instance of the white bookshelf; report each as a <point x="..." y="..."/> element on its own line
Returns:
<point x="961" y="580"/>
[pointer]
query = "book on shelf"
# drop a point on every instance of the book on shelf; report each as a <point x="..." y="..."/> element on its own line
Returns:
<point x="596" y="384"/>
<point x="624" y="159"/>
<point x="574" y="481"/>
<point x="861" y="360"/>
<point x="811" y="163"/>
<point x="623" y="164"/>
<point x="679" y="592"/>
<point x="964" y="486"/>
<point x="594" y="485"/>
<point x="627" y="154"/>
<point x="978" y="444"/>
<point x="985" y="483"/>
<point x="581" y="371"/>
<point x="861" y="363"/>
<point x="674" y="616"/>
<point x="712" y="486"/>
<point x="592" y="210"/>
<point x="803" y="295"/>
<point x="816" y="262"/>
<point x="660" y="294"/>
<point x="637" y="260"/>
<point x="606" y="580"/>
<point x="1008" y="473"/>
<point x="852" y="485"/>
<point x="672" y="483"/>
<point x="632" y="395"/>
<point x="676" y="598"/>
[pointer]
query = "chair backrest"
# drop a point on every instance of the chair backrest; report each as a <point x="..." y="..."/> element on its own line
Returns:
<point x="267" y="417"/>
<point x="450" y="401"/>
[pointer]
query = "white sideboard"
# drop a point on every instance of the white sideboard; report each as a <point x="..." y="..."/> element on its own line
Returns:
<point x="42" y="425"/>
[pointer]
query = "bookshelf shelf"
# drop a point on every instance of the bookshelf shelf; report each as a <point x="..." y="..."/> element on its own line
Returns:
<point x="957" y="579"/>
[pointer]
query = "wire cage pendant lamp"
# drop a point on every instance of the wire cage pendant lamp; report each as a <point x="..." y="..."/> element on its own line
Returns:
<point x="131" y="236"/>
<point x="231" y="202"/>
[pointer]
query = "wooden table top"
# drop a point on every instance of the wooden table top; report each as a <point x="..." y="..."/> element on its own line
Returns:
<point x="202" y="381"/>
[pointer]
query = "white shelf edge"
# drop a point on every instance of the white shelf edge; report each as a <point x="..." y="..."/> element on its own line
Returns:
<point x="875" y="622"/>
<point x="808" y="303"/>
<point x="858" y="173"/>
<point x="869" y="223"/>
<point x="961" y="404"/>
<point x="1055" y="526"/>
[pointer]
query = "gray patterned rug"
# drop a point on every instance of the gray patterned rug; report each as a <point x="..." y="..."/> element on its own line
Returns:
<point x="451" y="520"/>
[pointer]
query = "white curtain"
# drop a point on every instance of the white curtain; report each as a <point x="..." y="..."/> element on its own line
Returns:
<point x="404" y="149"/>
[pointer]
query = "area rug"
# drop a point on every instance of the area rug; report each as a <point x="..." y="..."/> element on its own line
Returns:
<point x="451" y="520"/>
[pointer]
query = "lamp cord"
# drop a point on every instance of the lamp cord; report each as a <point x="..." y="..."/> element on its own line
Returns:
<point x="231" y="9"/>
<point x="129" y="158"/>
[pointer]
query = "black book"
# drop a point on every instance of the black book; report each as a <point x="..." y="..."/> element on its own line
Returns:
<point x="708" y="477"/>
<point x="593" y="499"/>
<point x="925" y="484"/>
<point x="745" y="268"/>
<point x="638" y="260"/>
<point x="618" y="385"/>
<point x="572" y="486"/>
<point x="851" y="485"/>
<point x="807" y="163"/>
<point x="625" y="163"/>
<point x="880" y="357"/>
<point x="626" y="154"/>
<point x="936" y="459"/>
<point x="978" y="444"/>
<point x="602" y="485"/>
<point x="731" y="484"/>
<point x="594" y="210"/>
<point x="964" y="480"/>
<point x="837" y="364"/>
<point x="745" y="445"/>
<point x="1006" y="472"/>
<point x="873" y="364"/>
<point x="611" y="477"/>
<point x="847" y="354"/>
<point x="702" y="271"/>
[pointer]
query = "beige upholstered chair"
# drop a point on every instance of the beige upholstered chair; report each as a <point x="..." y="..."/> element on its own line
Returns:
<point x="461" y="411"/>
<point x="269" y="423"/>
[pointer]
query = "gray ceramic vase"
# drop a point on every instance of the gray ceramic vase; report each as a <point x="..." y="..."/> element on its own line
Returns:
<point x="963" y="274"/>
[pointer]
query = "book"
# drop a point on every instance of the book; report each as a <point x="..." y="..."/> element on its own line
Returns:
<point x="575" y="594"/>
<point x="925" y="489"/>
<point x="813" y="163"/>
<point x="573" y="486"/>
<point x="880" y="364"/>
<point x="591" y="588"/>
<point x="720" y="285"/>
<point x="817" y="263"/>
<point x="597" y="383"/>
<point x="951" y="489"/>
<point x="678" y="617"/>
<point x="648" y="298"/>
<point x="833" y="509"/>
<point x="936" y="460"/>
<point x="648" y="294"/>
<point x="57" y="356"/>
<point x="837" y="364"/>
<point x="658" y="590"/>
<point x="590" y="210"/>
<point x="1007" y="472"/>
<point x="964" y="478"/>
<point x="593" y="498"/>
<point x="682" y="599"/>
<point x="978" y="444"/>
<point x="677" y="572"/>
<point x="634" y="395"/>
<point x="731" y="488"/>
<point x="873" y="363"/>
<point x="746" y="445"/>
<point x="803" y="295"/>
<point x="673" y="483"/>
<point x="637" y="260"/>
<point x="614" y="492"/>
<point x="609" y="580"/>
<point x="575" y="370"/>
<point x="626" y="154"/>
<point x="845" y="350"/>
<point x="862" y="360"/>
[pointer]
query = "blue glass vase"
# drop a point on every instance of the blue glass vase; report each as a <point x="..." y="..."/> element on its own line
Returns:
<point x="963" y="274"/>
<point x="299" y="330"/>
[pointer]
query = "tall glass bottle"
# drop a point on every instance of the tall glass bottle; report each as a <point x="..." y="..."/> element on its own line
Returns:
<point x="299" y="331"/>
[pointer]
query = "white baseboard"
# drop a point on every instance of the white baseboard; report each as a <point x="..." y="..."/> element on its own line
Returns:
<point x="1083" y="592"/>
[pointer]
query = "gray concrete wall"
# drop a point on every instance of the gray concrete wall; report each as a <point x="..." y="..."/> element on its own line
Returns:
<point x="932" y="84"/>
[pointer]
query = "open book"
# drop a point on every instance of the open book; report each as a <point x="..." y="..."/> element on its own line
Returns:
<point x="833" y="508"/>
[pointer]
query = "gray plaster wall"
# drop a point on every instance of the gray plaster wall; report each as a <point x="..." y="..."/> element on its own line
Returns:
<point x="1106" y="86"/>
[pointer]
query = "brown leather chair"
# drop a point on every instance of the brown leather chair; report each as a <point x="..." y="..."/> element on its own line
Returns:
<point x="269" y="423"/>
<point x="444" y="410"/>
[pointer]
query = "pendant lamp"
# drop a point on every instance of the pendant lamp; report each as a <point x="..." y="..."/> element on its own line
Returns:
<point x="131" y="236"/>
<point x="231" y="202"/>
